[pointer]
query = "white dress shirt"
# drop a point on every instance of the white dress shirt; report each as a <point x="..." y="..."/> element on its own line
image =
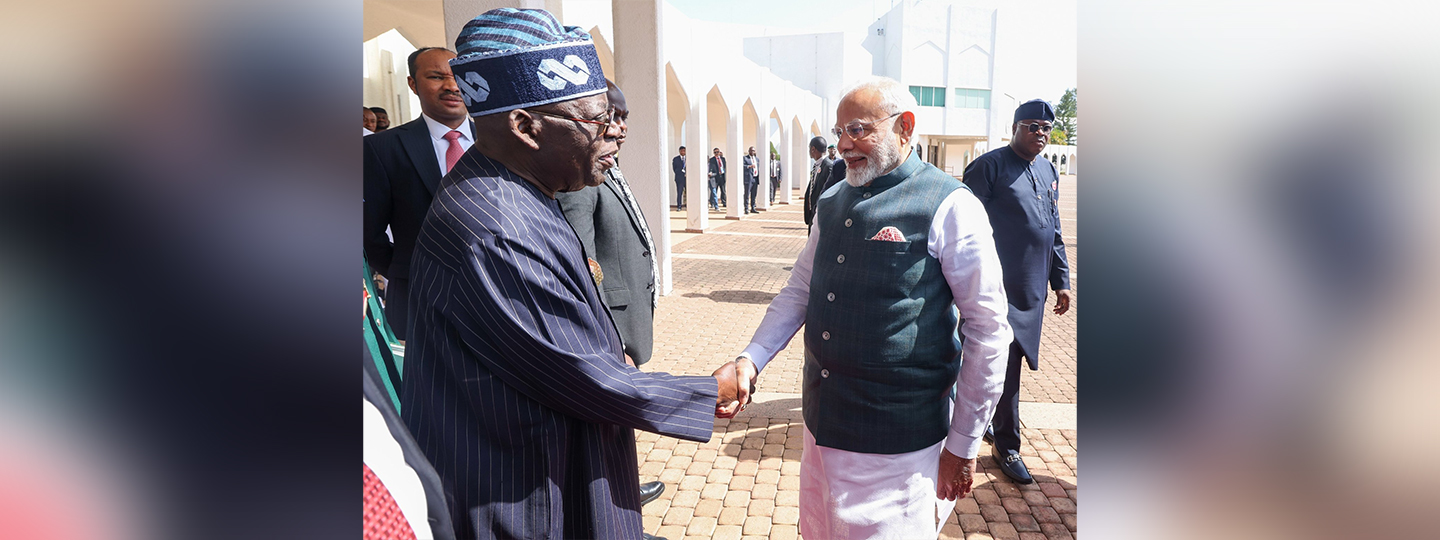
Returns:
<point x="961" y="239"/>
<point x="437" y="138"/>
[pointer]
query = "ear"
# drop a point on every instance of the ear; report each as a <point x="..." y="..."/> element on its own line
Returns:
<point x="906" y="123"/>
<point x="525" y="127"/>
<point x="410" y="80"/>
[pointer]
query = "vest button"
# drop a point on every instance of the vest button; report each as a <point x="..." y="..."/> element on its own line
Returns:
<point x="825" y="335"/>
<point x="830" y="297"/>
<point x="824" y="374"/>
<point x="866" y="195"/>
<point x="849" y="222"/>
<point x="840" y="259"/>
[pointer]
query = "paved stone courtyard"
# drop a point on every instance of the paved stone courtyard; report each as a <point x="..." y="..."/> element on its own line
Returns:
<point x="744" y="483"/>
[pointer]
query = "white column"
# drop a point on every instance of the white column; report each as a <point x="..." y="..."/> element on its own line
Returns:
<point x="735" y="163"/>
<point x="697" y="192"/>
<point x="762" y="151"/>
<point x="800" y="166"/>
<point x="638" y="72"/>
<point x="787" y="162"/>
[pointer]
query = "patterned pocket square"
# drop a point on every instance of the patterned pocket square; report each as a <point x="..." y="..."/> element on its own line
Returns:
<point x="889" y="234"/>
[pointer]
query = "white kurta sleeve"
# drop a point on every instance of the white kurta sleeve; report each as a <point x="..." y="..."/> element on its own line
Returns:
<point x="787" y="311"/>
<point x="961" y="238"/>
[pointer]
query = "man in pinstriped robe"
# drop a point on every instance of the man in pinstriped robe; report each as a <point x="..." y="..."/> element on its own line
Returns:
<point x="515" y="383"/>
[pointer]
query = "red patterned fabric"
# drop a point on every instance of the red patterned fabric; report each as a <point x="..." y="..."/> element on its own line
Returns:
<point x="383" y="520"/>
<point x="889" y="234"/>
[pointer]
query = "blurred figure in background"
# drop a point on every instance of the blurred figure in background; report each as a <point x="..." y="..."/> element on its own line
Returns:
<point x="369" y="122"/>
<point x="677" y="165"/>
<point x="382" y="119"/>
<point x="752" y="179"/>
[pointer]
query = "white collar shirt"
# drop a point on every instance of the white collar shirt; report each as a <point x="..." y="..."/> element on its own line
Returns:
<point x="437" y="138"/>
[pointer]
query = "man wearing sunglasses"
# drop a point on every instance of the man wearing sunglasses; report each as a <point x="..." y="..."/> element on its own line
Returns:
<point x="895" y="250"/>
<point x="1019" y="193"/>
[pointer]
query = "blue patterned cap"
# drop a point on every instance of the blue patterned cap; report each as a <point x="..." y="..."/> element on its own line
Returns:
<point x="514" y="58"/>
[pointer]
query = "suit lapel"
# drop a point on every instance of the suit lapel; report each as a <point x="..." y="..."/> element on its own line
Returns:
<point x="416" y="140"/>
<point x="615" y="190"/>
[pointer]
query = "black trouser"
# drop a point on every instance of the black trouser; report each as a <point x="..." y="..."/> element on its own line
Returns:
<point x="751" y="186"/>
<point x="1007" y="411"/>
<point x="679" y="192"/>
<point x="720" y="180"/>
<point x="774" y="187"/>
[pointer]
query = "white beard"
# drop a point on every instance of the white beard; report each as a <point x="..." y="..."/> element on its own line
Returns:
<point x="885" y="158"/>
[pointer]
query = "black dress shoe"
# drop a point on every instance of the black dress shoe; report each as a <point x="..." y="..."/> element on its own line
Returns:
<point x="650" y="491"/>
<point x="989" y="435"/>
<point x="1012" y="466"/>
<point x="651" y="537"/>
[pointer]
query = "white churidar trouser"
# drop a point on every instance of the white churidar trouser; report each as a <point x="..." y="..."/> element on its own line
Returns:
<point x="849" y="495"/>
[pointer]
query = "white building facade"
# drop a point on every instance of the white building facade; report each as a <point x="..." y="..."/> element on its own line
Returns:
<point x="945" y="54"/>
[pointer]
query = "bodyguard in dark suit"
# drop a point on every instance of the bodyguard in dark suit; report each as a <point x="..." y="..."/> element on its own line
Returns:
<point x="515" y="383"/>
<point x="774" y="176"/>
<point x="819" y="173"/>
<point x="751" y="164"/>
<point x="403" y="166"/>
<point x="678" y="166"/>
<point x="718" y="168"/>
<point x="837" y="174"/>
<point x="1020" y="193"/>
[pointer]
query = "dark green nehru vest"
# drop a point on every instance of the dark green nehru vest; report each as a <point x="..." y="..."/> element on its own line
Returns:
<point x="882" y="350"/>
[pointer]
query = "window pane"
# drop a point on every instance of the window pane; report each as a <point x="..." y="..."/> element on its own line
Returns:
<point x="939" y="97"/>
<point x="915" y="91"/>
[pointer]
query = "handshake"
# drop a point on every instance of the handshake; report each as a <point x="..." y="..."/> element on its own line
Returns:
<point x="737" y="384"/>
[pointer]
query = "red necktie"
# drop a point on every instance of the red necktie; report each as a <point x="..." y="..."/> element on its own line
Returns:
<point x="453" y="153"/>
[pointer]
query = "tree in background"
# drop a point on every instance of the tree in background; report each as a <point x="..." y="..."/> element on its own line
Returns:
<point x="1058" y="136"/>
<point x="1065" y="119"/>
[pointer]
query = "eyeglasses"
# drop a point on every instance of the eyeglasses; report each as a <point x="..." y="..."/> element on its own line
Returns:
<point x="603" y="120"/>
<point x="857" y="130"/>
<point x="1036" y="126"/>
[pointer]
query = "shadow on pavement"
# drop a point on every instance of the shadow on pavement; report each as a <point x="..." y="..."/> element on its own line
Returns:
<point x="736" y="297"/>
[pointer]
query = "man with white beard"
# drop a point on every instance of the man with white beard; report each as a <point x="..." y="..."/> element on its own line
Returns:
<point x="894" y="251"/>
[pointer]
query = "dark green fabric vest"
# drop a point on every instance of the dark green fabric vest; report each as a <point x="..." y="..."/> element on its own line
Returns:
<point x="882" y="350"/>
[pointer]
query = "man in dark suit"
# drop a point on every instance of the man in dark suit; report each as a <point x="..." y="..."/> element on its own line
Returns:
<point x="515" y="382"/>
<point x="1020" y="193"/>
<point x="774" y="176"/>
<point x="837" y="174"/>
<point x="752" y="179"/>
<point x="819" y="174"/>
<point x="678" y="166"/>
<point x="717" y="178"/>
<point x="403" y="167"/>
<point x="613" y="232"/>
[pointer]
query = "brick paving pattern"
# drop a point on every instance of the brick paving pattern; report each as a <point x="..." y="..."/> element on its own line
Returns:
<point x="744" y="483"/>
